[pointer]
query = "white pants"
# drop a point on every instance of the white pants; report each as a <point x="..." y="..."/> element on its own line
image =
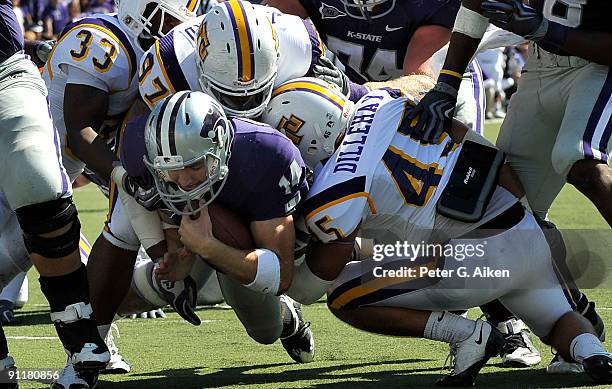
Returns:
<point x="29" y="144"/>
<point x="530" y="290"/>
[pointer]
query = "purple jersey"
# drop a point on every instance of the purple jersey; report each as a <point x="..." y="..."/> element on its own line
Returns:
<point x="375" y="50"/>
<point x="267" y="177"/>
<point x="591" y="15"/>
<point x="11" y="38"/>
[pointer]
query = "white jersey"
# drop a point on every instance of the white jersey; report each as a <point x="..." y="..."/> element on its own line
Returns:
<point x="383" y="180"/>
<point x="101" y="53"/>
<point x="170" y="65"/>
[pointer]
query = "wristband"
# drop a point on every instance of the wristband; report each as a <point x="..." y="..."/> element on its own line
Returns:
<point x="470" y="23"/>
<point x="450" y="77"/>
<point x="267" y="279"/>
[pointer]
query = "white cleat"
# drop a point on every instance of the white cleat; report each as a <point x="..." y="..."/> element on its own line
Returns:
<point x="117" y="364"/>
<point x="472" y="354"/>
<point x="91" y="357"/>
<point x="518" y="351"/>
<point x="70" y="379"/>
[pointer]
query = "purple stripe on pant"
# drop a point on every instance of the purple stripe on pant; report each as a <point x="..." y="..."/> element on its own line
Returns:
<point x="476" y="73"/>
<point x="600" y="105"/>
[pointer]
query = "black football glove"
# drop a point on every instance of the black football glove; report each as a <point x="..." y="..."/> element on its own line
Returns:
<point x="433" y="113"/>
<point x="516" y="17"/>
<point x="146" y="197"/>
<point x="182" y="296"/>
<point x="327" y="71"/>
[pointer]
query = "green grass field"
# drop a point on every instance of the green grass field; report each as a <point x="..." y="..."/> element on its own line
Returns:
<point x="170" y="353"/>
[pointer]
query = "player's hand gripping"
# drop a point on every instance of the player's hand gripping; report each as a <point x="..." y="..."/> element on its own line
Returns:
<point x="516" y="17"/>
<point x="327" y="71"/>
<point x="196" y="232"/>
<point x="434" y="113"/>
<point x="147" y="197"/>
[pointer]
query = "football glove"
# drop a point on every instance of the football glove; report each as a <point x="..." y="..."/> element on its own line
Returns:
<point x="326" y="70"/>
<point x="182" y="296"/>
<point x="43" y="49"/>
<point x="516" y="17"/>
<point x="433" y="114"/>
<point x="147" y="197"/>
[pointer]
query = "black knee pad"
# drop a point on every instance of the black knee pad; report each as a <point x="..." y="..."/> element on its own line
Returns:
<point x="47" y="217"/>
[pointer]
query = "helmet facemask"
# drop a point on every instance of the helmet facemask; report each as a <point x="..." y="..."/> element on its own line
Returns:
<point x="149" y="20"/>
<point x="237" y="58"/>
<point x="217" y="133"/>
<point x="248" y="103"/>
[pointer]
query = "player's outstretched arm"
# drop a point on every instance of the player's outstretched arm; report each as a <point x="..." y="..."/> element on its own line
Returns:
<point x="523" y="20"/>
<point x="268" y="269"/>
<point x="434" y="112"/>
<point x="82" y="121"/>
<point x="425" y="41"/>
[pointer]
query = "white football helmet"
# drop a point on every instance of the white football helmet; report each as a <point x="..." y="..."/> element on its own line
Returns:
<point x="368" y="9"/>
<point x="185" y="130"/>
<point x="312" y="113"/>
<point x="141" y="16"/>
<point x="237" y="57"/>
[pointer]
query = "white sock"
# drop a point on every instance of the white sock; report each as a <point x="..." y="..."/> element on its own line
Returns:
<point x="448" y="327"/>
<point x="586" y="345"/>
<point x="103" y="330"/>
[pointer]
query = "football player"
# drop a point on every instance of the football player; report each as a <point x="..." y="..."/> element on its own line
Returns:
<point x="170" y="66"/>
<point x="558" y="126"/>
<point x="287" y="98"/>
<point x="252" y="170"/>
<point x="237" y="53"/>
<point x="380" y="40"/>
<point x="38" y="190"/>
<point x="392" y="188"/>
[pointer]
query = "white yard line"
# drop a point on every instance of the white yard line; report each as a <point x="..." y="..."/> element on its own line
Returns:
<point x="32" y="337"/>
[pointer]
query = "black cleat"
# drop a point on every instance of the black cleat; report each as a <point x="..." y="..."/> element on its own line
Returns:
<point x="599" y="368"/>
<point x="300" y="343"/>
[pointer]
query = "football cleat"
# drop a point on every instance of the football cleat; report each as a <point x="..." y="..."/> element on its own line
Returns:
<point x="116" y="365"/>
<point x="518" y="351"/>
<point x="90" y="357"/>
<point x="599" y="368"/>
<point x="300" y="343"/>
<point x="80" y="337"/>
<point x="472" y="354"/>
<point x="70" y="379"/>
<point x="7" y="363"/>
<point x="558" y="365"/>
<point x="6" y="312"/>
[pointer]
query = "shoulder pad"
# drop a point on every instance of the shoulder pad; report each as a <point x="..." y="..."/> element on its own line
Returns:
<point x="159" y="71"/>
<point x="99" y="47"/>
<point x="334" y="212"/>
